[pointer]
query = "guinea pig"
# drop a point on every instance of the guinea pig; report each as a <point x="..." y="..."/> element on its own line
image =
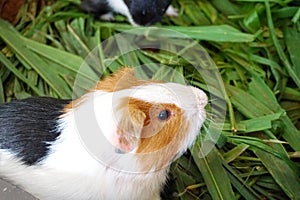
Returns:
<point x="115" y="142"/>
<point x="138" y="12"/>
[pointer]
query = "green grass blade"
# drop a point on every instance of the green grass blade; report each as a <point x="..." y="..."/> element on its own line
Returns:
<point x="291" y="133"/>
<point x="257" y="143"/>
<point x="281" y="172"/>
<point x="244" y="188"/>
<point x="278" y="47"/>
<point x="235" y="152"/>
<point x="216" y="33"/>
<point x="10" y="66"/>
<point x="216" y="179"/>
<point x="255" y="124"/>
<point x="292" y="39"/>
<point x="220" y="33"/>
<point x="264" y="95"/>
<point x="261" y="92"/>
<point x="31" y="60"/>
<point x="69" y="63"/>
<point x="246" y="103"/>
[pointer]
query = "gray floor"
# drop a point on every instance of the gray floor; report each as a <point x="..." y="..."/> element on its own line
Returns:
<point x="11" y="192"/>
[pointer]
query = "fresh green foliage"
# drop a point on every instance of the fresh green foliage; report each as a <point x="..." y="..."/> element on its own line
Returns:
<point x="255" y="45"/>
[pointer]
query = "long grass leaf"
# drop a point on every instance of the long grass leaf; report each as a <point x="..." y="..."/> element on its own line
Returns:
<point x="32" y="60"/>
<point x="281" y="172"/>
<point x="10" y="66"/>
<point x="216" y="179"/>
<point x="217" y="33"/>
<point x="244" y="188"/>
<point x="292" y="39"/>
<point x="264" y="95"/>
<point x="278" y="47"/>
<point x="246" y="103"/>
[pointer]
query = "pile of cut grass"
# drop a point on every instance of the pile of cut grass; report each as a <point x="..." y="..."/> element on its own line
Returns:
<point x="255" y="45"/>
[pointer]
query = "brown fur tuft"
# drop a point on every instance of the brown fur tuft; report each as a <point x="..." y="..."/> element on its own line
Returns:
<point x="120" y="80"/>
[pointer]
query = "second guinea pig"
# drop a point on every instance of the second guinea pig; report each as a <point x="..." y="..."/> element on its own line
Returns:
<point x="115" y="142"/>
<point x="138" y="12"/>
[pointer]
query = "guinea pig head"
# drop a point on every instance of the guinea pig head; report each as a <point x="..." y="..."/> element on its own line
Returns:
<point x="155" y="121"/>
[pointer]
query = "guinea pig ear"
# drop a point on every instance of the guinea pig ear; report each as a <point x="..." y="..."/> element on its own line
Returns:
<point x="129" y="129"/>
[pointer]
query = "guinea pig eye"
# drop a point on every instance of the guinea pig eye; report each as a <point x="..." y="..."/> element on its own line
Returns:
<point x="164" y="115"/>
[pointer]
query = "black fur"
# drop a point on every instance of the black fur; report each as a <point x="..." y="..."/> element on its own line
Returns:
<point x="147" y="12"/>
<point x="27" y="126"/>
<point x="96" y="7"/>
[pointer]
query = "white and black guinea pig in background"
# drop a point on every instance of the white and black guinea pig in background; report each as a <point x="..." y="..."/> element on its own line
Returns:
<point x="138" y="12"/>
<point x="46" y="150"/>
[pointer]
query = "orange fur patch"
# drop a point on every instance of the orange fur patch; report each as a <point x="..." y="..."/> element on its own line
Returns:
<point x="160" y="140"/>
<point x="120" y="80"/>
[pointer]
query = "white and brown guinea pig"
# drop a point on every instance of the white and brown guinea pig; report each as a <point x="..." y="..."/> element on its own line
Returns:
<point x="138" y="12"/>
<point x="115" y="142"/>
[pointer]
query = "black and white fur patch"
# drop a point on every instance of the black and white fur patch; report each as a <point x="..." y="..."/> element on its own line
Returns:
<point x="138" y="12"/>
<point x="28" y="127"/>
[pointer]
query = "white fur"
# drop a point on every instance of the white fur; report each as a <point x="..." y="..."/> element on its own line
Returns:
<point x="119" y="6"/>
<point x="107" y="17"/>
<point x="93" y="182"/>
<point x="83" y="164"/>
<point x="188" y="98"/>
<point x="171" y="11"/>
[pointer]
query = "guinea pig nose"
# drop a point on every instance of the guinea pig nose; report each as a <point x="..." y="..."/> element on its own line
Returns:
<point x="201" y="97"/>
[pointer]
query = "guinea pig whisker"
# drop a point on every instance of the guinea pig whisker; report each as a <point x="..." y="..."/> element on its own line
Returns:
<point x="210" y="115"/>
<point x="204" y="127"/>
<point x="212" y="100"/>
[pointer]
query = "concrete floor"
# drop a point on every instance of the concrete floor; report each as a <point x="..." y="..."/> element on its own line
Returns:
<point x="11" y="192"/>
